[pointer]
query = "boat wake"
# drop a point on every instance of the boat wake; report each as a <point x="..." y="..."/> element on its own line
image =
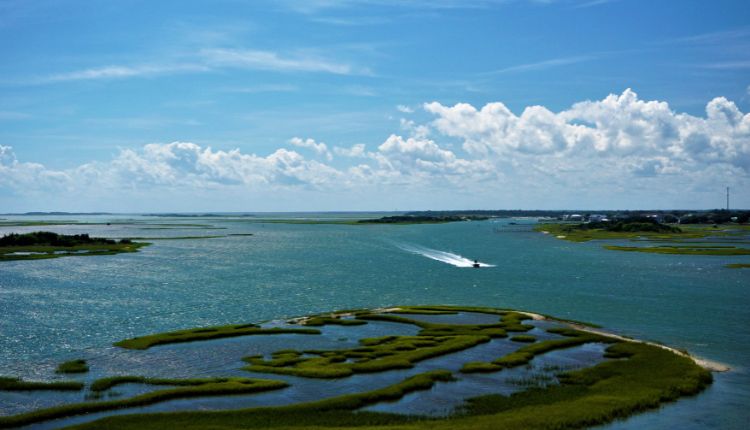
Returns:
<point x="442" y="256"/>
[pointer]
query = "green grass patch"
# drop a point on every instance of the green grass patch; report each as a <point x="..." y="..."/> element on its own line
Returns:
<point x="683" y="250"/>
<point x="43" y="244"/>
<point x="209" y="387"/>
<point x="73" y="366"/>
<point x="105" y="384"/>
<point x="16" y="384"/>
<point x="207" y="333"/>
<point x="738" y="266"/>
<point x="336" y="320"/>
<point x="390" y="352"/>
<point x="574" y="233"/>
<point x="374" y="355"/>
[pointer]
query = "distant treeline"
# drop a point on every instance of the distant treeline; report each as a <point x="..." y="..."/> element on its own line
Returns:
<point x="417" y="219"/>
<point x="46" y="238"/>
<point x="58" y="213"/>
<point x="716" y="216"/>
<point x="206" y="215"/>
<point x="633" y="224"/>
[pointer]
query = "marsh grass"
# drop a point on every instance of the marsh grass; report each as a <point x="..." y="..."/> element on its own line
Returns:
<point x="17" y="384"/>
<point x="640" y="378"/>
<point x="210" y="387"/>
<point x="105" y="384"/>
<point x="323" y="320"/>
<point x="573" y="233"/>
<point x="73" y="366"/>
<point x="390" y="352"/>
<point x="536" y="379"/>
<point x="208" y="333"/>
<point x="374" y="355"/>
<point x="683" y="250"/>
<point x="647" y="378"/>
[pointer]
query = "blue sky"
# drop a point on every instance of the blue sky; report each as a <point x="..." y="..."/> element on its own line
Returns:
<point x="373" y="104"/>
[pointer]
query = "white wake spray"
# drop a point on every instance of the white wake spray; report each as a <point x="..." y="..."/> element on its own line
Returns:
<point x="442" y="256"/>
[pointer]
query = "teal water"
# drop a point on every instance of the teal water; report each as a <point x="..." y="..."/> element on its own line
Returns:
<point x="53" y="310"/>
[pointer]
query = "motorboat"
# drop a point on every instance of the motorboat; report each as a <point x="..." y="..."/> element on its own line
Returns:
<point x="476" y="264"/>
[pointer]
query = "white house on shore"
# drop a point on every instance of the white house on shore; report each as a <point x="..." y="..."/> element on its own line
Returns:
<point x="598" y="218"/>
<point x="573" y="217"/>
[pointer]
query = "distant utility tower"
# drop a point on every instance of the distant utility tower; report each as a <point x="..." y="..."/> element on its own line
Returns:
<point x="727" y="198"/>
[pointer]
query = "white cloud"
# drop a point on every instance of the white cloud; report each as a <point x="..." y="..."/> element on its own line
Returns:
<point x="728" y="65"/>
<point x="319" y="148"/>
<point x="617" y="126"/>
<point x="612" y="149"/>
<point x="404" y="109"/>
<point x="114" y="72"/>
<point x="356" y="151"/>
<point x="207" y="60"/>
<point x="29" y="178"/>
<point x="416" y="130"/>
<point x="542" y="65"/>
<point x="424" y="157"/>
<point x="268" y="60"/>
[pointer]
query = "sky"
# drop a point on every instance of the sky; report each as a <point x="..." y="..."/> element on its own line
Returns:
<point x="336" y="105"/>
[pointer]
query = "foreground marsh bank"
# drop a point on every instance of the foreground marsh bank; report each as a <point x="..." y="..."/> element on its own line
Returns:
<point x="654" y="375"/>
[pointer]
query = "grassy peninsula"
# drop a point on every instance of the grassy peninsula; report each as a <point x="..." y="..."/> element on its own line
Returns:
<point x="628" y="229"/>
<point x="676" y="240"/>
<point x="45" y="244"/>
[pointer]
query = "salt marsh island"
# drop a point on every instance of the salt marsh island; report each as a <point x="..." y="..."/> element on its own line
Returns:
<point x="406" y="367"/>
<point x="45" y="244"/>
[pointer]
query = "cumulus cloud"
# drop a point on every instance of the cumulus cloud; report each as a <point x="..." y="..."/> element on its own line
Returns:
<point x="319" y="148"/>
<point x="29" y="177"/>
<point x="618" y="145"/>
<point x="616" y="127"/>
<point x="417" y="156"/>
<point x="355" y="151"/>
